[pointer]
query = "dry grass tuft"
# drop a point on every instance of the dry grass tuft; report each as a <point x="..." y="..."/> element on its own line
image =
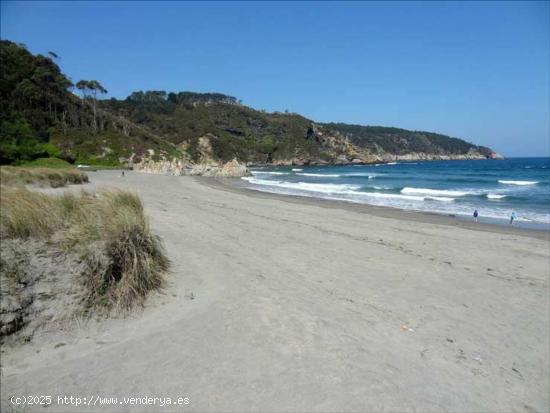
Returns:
<point x="122" y="260"/>
<point x="15" y="176"/>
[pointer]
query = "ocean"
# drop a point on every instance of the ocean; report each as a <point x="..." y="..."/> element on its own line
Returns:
<point x="495" y="188"/>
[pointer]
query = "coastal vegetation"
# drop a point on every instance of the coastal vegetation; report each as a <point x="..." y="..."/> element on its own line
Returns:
<point x="402" y="141"/>
<point x="55" y="178"/>
<point x="108" y="230"/>
<point x="41" y="117"/>
<point x="73" y="253"/>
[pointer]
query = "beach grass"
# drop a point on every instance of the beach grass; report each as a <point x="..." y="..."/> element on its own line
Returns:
<point x="52" y="163"/>
<point x="121" y="259"/>
<point x="52" y="177"/>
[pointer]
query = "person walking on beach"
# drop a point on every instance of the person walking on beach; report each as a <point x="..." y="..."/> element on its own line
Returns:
<point x="476" y="214"/>
<point x="513" y="217"/>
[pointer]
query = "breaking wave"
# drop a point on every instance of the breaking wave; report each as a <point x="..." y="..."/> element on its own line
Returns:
<point x="518" y="182"/>
<point x="343" y="189"/>
<point x="433" y="192"/>
<point x="268" y="173"/>
<point x="321" y="175"/>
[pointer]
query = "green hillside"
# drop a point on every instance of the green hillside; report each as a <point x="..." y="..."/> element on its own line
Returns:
<point x="42" y="115"/>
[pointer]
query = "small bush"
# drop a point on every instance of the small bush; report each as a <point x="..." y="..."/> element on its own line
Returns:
<point x="54" y="178"/>
<point x="122" y="260"/>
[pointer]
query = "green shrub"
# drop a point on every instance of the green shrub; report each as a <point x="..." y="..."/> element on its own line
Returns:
<point x="47" y="163"/>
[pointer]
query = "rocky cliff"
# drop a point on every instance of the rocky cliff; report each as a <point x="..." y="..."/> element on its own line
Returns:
<point x="180" y="167"/>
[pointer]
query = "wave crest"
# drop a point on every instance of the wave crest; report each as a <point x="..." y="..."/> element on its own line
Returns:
<point x="518" y="182"/>
<point x="432" y="192"/>
<point x="321" y="175"/>
<point x="268" y="173"/>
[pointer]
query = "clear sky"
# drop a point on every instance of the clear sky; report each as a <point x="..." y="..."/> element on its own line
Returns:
<point x="473" y="70"/>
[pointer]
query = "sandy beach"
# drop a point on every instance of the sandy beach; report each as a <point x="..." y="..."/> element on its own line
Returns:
<point x="276" y="303"/>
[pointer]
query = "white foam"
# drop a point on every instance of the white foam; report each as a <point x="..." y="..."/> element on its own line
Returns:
<point x="418" y="202"/>
<point x="433" y="192"/>
<point x="269" y="173"/>
<point x="254" y="180"/>
<point x="393" y="196"/>
<point x="440" y="198"/>
<point x="297" y="169"/>
<point x="305" y="186"/>
<point x="495" y="196"/>
<point x="392" y="163"/>
<point x="343" y="189"/>
<point x="518" y="182"/>
<point x="370" y="176"/>
<point x="322" y="175"/>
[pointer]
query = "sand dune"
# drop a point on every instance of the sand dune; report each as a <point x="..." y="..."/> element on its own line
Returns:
<point x="278" y="305"/>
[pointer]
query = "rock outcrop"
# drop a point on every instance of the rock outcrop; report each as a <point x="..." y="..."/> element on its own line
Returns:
<point x="179" y="167"/>
<point x="422" y="156"/>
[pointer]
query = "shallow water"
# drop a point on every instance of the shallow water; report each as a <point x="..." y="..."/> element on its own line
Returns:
<point x="494" y="188"/>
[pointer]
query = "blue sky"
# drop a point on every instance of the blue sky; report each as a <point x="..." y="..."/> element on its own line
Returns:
<point x="474" y="70"/>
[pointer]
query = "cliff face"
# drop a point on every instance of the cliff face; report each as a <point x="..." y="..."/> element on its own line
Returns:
<point x="339" y="148"/>
<point x="179" y="167"/>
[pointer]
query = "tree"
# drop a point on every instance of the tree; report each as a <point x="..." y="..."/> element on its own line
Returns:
<point x="90" y="89"/>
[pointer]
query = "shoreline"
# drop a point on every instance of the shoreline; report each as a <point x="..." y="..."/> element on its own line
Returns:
<point x="365" y="163"/>
<point x="308" y="305"/>
<point x="238" y="186"/>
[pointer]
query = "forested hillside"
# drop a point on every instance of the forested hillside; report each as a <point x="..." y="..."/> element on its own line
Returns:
<point x="40" y="116"/>
<point x="402" y="141"/>
<point x="44" y="114"/>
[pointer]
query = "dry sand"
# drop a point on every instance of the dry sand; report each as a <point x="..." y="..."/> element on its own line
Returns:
<point x="276" y="304"/>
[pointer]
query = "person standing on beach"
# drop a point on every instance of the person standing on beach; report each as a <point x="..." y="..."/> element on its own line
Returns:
<point x="513" y="217"/>
<point x="476" y="214"/>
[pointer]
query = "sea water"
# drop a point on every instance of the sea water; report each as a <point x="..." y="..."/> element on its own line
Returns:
<point x="495" y="188"/>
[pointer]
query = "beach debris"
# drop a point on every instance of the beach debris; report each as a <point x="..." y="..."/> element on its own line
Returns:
<point x="405" y="327"/>
<point x="517" y="371"/>
<point x="423" y="352"/>
<point x="191" y="296"/>
<point x="477" y="358"/>
<point x="450" y="340"/>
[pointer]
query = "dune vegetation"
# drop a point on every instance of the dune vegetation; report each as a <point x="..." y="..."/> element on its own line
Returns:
<point x="121" y="260"/>
<point x="55" y="178"/>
